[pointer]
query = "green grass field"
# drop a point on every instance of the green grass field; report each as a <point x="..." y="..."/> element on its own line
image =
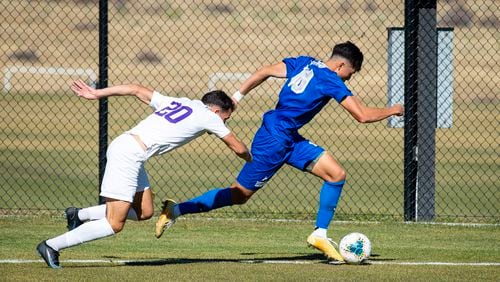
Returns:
<point x="240" y="250"/>
<point x="49" y="145"/>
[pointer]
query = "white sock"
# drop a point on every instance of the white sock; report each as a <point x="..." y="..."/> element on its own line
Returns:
<point x="320" y="232"/>
<point x="98" y="212"/>
<point x="86" y="232"/>
<point x="92" y="213"/>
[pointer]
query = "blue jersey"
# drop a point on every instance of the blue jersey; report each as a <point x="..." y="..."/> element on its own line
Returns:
<point x="309" y="87"/>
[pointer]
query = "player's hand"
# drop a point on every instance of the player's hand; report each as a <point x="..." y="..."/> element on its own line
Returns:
<point x="399" y="110"/>
<point x="237" y="96"/>
<point x="250" y="158"/>
<point x="82" y="89"/>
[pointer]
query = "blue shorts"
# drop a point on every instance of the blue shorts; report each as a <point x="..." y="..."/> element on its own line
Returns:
<point x="269" y="155"/>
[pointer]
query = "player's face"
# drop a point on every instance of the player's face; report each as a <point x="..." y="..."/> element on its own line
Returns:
<point x="345" y="71"/>
<point x="223" y="115"/>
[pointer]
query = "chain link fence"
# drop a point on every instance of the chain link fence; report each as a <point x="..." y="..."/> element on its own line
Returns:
<point x="49" y="137"/>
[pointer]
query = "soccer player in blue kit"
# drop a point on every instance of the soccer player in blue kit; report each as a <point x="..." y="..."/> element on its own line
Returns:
<point x="310" y="85"/>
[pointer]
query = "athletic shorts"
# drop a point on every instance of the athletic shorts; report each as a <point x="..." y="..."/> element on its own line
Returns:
<point x="269" y="155"/>
<point x="124" y="174"/>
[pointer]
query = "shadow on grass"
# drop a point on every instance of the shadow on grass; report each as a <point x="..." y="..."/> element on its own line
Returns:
<point x="297" y="259"/>
<point x="305" y="257"/>
<point x="276" y="259"/>
<point x="116" y="261"/>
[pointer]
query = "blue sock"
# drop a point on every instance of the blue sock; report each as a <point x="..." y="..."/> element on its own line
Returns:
<point x="328" y="198"/>
<point x="213" y="199"/>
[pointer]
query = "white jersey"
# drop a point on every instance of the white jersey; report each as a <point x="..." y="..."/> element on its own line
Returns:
<point x="175" y="122"/>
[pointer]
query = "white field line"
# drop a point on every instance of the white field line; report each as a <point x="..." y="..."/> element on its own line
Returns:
<point x="172" y="261"/>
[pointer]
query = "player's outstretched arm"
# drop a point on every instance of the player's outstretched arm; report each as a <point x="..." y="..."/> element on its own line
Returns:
<point x="237" y="146"/>
<point x="277" y="70"/>
<point x="82" y="89"/>
<point x="366" y="114"/>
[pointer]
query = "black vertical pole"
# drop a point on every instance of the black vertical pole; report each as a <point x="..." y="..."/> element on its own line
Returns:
<point x="420" y="109"/>
<point x="103" y="83"/>
<point x="410" y="120"/>
<point x="427" y="109"/>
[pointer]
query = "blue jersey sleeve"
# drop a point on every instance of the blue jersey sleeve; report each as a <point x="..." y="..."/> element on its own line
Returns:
<point x="336" y="89"/>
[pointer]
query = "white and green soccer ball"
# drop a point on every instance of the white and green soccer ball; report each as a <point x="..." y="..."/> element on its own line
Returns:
<point x="355" y="248"/>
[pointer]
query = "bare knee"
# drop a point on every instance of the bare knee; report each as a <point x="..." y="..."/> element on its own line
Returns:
<point x="143" y="204"/>
<point x="240" y="200"/>
<point x="116" y="213"/>
<point x="337" y="176"/>
<point x="327" y="168"/>
<point x="117" y="226"/>
<point x="145" y="214"/>
<point x="240" y="195"/>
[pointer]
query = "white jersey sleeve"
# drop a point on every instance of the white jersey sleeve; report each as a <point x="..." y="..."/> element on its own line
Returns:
<point x="158" y="100"/>
<point x="175" y="122"/>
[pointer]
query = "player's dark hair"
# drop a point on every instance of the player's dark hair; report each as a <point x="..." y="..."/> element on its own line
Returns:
<point x="218" y="98"/>
<point x="350" y="52"/>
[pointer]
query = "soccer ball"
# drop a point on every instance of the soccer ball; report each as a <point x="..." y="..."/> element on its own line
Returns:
<point x="355" y="248"/>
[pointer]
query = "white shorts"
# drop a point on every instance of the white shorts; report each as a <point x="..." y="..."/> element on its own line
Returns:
<point x="124" y="174"/>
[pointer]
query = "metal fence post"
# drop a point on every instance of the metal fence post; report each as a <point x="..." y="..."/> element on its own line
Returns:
<point x="103" y="83"/>
<point x="420" y="108"/>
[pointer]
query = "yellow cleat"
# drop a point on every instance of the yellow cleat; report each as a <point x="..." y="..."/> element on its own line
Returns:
<point x="166" y="219"/>
<point x="324" y="245"/>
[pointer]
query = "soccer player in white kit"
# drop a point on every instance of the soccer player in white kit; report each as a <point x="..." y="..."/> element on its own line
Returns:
<point x="125" y="185"/>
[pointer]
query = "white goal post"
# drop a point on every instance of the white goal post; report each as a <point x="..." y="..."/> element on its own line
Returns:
<point x="215" y="77"/>
<point x="8" y="72"/>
